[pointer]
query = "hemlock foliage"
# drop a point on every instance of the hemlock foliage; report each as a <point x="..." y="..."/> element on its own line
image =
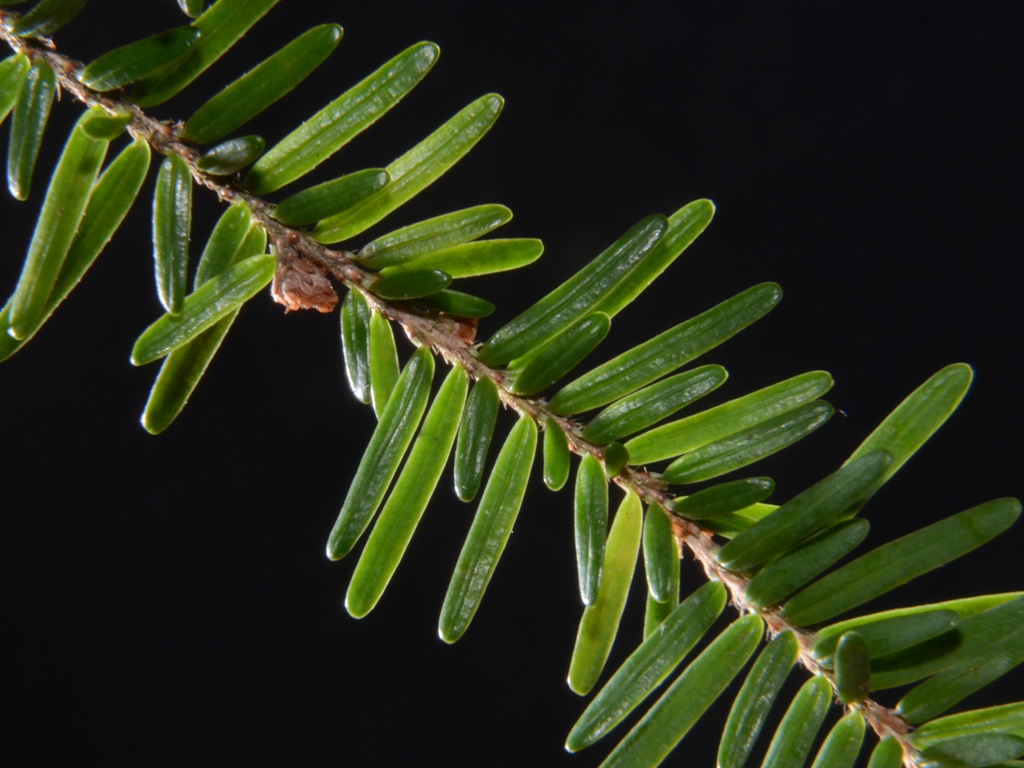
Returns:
<point x="648" y="447"/>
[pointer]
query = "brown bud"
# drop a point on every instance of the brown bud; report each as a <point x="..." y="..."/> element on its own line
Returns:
<point x="300" y="285"/>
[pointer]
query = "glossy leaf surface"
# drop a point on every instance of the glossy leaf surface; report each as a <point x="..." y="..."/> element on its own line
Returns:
<point x="683" y="228"/>
<point x="180" y="374"/>
<point x="556" y="457"/>
<point x="1008" y="718"/>
<point x="562" y="354"/>
<point x="457" y="303"/>
<point x="481" y="258"/>
<point x="387" y="446"/>
<point x="475" y="434"/>
<point x="724" y="498"/>
<point x="655" y="613"/>
<point x="109" y="201"/>
<point x="172" y="227"/>
<point x="967" y="675"/>
<point x="339" y="122"/>
<point x="973" y="638"/>
<point x="652" y="404"/>
<point x="964" y="607"/>
<point x="231" y="156"/>
<point x="975" y="751"/>
<point x="417" y="169"/>
<point x="648" y="665"/>
<point x="255" y="242"/>
<point x="886" y="636"/>
<point x="900" y="561"/>
<point x="751" y="445"/>
<point x="28" y="122"/>
<point x="754" y="700"/>
<point x="499" y="506"/>
<point x="330" y="198"/>
<point x="887" y="754"/>
<point x="591" y="517"/>
<point x="600" y="622"/>
<point x="688" y="697"/>
<point x="661" y="556"/>
<point x="185" y="366"/>
<point x="853" y="668"/>
<point x="268" y="82"/>
<point x="738" y="415"/>
<point x="63" y="206"/>
<point x="787" y="573"/>
<point x="221" y="26"/>
<point x="208" y="304"/>
<point x="46" y="17"/>
<point x="135" y="61"/>
<point x="404" y="508"/>
<point x="808" y="512"/>
<point x="918" y="417"/>
<point x="799" y="727"/>
<point x="384" y="369"/>
<point x="106" y="127"/>
<point x="355" y="344"/>
<point x="616" y="457"/>
<point x="842" y="746"/>
<point x="12" y="78"/>
<point x="191" y="8"/>
<point x="225" y="242"/>
<point x="412" y="284"/>
<point x="665" y="352"/>
<point x="576" y="297"/>
<point x="435" y="234"/>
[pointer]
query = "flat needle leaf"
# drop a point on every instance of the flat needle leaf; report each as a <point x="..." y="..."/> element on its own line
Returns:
<point x="843" y="743"/>
<point x="109" y="201"/>
<point x="899" y="561"/>
<point x="172" y="226"/>
<point x="600" y="622"/>
<point x="404" y="508"/>
<point x="65" y="202"/>
<point x="688" y="698"/>
<point x="46" y="17"/>
<point x="591" y="505"/>
<point x="755" y="699"/>
<point x="135" y="61"/>
<point x="31" y="111"/>
<point x="252" y="93"/>
<point x="431" y="235"/>
<point x="222" y="25"/>
<point x="799" y="727"/>
<point x="204" y="307"/>
<point x="693" y="432"/>
<point x="384" y="370"/>
<point x="661" y="556"/>
<point x="355" y="344"/>
<point x="475" y="433"/>
<point x="12" y="78"/>
<point x="492" y="524"/>
<point x="339" y="122"/>
<point x="576" y="297"/>
<point x="556" y="457"/>
<point x="649" y="665"/>
<point x="416" y="170"/>
<point x="387" y="446"/>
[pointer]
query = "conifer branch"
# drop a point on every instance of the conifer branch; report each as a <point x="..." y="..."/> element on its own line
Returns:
<point x="302" y="281"/>
<point x="303" y="267"/>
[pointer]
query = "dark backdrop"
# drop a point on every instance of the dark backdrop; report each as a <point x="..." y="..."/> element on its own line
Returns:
<point x="166" y="600"/>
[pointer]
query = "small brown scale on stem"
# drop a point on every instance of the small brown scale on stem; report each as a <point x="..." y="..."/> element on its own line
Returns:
<point x="301" y="282"/>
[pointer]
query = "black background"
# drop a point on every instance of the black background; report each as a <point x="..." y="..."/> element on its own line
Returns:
<point x="166" y="600"/>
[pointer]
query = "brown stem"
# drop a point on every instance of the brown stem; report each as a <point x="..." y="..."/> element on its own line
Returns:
<point x="446" y="335"/>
